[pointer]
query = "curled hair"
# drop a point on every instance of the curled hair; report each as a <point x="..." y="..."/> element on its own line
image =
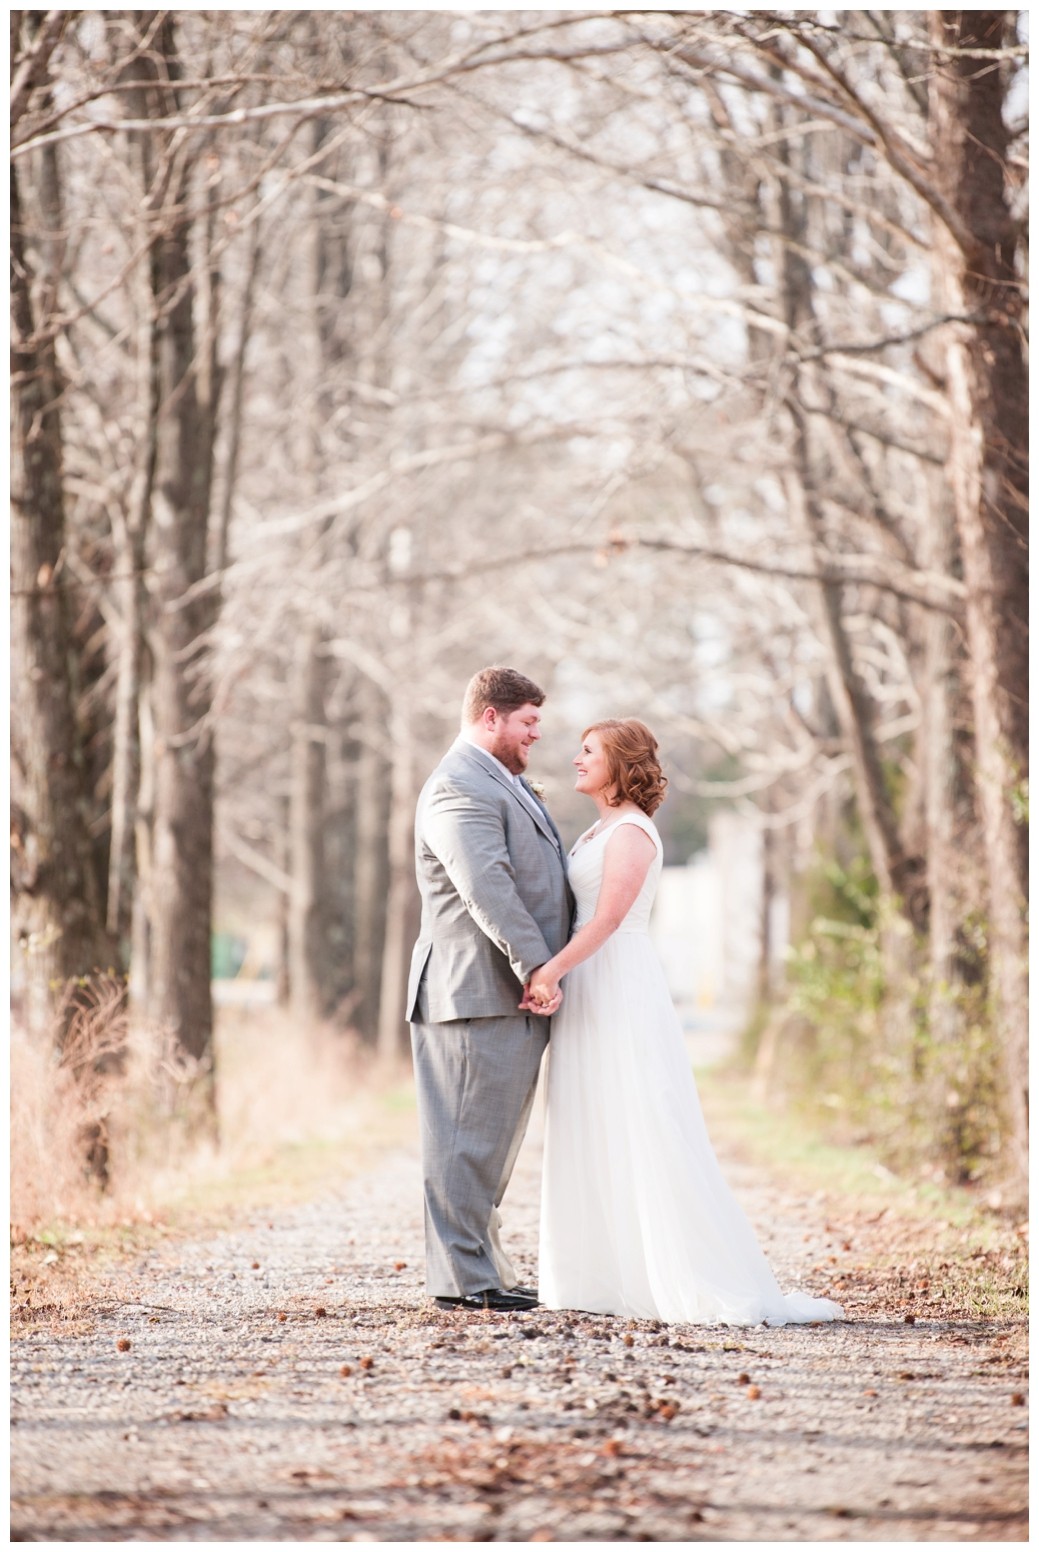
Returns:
<point x="503" y="688"/>
<point x="631" y="759"/>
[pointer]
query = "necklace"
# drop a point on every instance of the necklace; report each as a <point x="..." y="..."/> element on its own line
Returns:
<point x="598" y="827"/>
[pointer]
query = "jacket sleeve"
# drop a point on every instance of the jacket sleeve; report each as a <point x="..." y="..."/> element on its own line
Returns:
<point x="464" y="831"/>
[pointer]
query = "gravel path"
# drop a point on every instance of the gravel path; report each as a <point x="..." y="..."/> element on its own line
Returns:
<point x="288" y="1380"/>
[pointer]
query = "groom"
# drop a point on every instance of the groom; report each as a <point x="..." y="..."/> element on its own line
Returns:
<point x="495" y="906"/>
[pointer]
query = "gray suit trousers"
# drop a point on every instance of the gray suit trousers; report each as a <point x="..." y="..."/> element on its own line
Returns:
<point x="475" y="1080"/>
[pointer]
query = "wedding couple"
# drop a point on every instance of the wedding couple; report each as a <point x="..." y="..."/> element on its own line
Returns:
<point x="636" y="1218"/>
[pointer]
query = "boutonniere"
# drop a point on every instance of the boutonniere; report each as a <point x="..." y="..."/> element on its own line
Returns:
<point x="538" y="789"/>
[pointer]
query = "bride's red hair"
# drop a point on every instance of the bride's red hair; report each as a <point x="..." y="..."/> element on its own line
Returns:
<point x="631" y="758"/>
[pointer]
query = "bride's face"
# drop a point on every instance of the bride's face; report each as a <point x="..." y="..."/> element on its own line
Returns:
<point x="593" y="771"/>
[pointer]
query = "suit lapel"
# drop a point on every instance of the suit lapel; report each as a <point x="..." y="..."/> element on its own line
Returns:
<point x="533" y="809"/>
<point x="547" y="817"/>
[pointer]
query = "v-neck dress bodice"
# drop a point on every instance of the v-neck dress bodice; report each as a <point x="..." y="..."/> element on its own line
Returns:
<point x="585" y="868"/>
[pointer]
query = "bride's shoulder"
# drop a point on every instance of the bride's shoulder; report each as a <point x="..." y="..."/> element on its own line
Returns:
<point x="640" y="821"/>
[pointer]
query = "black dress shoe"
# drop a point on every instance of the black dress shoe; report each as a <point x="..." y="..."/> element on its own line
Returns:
<point x="487" y="1299"/>
<point x="528" y="1293"/>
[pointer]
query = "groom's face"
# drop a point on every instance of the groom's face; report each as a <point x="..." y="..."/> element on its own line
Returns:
<point x="513" y="737"/>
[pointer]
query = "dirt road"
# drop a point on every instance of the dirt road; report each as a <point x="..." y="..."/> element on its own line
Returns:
<point x="288" y="1380"/>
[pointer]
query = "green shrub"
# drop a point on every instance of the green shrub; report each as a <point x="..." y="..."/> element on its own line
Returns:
<point x="860" y="1058"/>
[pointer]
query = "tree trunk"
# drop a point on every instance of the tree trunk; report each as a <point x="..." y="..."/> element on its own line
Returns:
<point x="895" y="872"/>
<point x="130" y="536"/>
<point x="371" y="883"/>
<point x="306" y="819"/>
<point x="282" y="975"/>
<point x="126" y="749"/>
<point x="765" y="907"/>
<point x="401" y="895"/>
<point x="56" y="911"/>
<point x="181" y="894"/>
<point x="947" y="868"/>
<point x="988" y="472"/>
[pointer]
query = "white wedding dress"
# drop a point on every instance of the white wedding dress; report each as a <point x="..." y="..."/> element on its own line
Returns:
<point x="636" y="1217"/>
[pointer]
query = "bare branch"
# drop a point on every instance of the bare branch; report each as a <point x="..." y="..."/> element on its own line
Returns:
<point x="31" y="69"/>
<point x="253" y="859"/>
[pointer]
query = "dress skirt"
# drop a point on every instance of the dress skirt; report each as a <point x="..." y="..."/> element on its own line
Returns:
<point x="636" y="1217"/>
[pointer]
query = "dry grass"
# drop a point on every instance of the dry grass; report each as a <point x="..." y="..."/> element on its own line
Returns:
<point x="282" y="1085"/>
<point x="295" y="1109"/>
<point x="297" y="1112"/>
<point x="61" y="1108"/>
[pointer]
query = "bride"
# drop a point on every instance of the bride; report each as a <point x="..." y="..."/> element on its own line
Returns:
<point x="636" y="1217"/>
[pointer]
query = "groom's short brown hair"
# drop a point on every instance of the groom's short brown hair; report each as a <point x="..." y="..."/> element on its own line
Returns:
<point x="503" y="688"/>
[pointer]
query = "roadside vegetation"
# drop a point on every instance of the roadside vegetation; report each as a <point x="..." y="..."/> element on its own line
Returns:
<point x="923" y="1248"/>
<point x="299" y="1111"/>
<point x="303" y="1110"/>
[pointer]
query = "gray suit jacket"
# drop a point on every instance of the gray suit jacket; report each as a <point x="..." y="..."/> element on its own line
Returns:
<point x="495" y="899"/>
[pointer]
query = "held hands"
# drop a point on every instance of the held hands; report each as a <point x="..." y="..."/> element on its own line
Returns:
<point x="542" y="993"/>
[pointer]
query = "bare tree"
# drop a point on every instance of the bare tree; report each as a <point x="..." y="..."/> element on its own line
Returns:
<point x="608" y="343"/>
<point x="976" y="249"/>
<point x="57" y="915"/>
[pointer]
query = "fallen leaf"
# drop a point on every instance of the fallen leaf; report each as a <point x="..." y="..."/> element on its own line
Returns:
<point x="213" y="1414"/>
